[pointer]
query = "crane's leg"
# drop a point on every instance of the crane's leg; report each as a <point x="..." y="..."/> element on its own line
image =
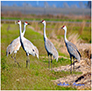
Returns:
<point x="16" y="61"/>
<point x="14" y="58"/>
<point x="49" y="61"/>
<point x="27" y="61"/>
<point x="71" y="64"/>
<point x="74" y="65"/>
<point x="12" y="55"/>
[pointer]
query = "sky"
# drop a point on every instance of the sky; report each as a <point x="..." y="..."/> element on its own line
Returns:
<point x="68" y="4"/>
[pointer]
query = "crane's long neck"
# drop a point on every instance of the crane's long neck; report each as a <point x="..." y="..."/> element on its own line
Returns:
<point x="65" y="35"/>
<point x="20" y="31"/>
<point x="24" y="29"/>
<point x="45" y="30"/>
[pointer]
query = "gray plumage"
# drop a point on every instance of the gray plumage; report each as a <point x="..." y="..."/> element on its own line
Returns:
<point x="13" y="46"/>
<point x="71" y="48"/>
<point x="51" y="50"/>
<point x="73" y="51"/>
<point x="28" y="47"/>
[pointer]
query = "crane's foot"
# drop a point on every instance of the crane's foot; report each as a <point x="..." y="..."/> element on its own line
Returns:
<point x="17" y="63"/>
<point x="51" y="69"/>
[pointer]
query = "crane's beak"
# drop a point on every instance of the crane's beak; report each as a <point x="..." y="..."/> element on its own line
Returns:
<point x="60" y="28"/>
<point x="39" y="22"/>
<point x="29" y="24"/>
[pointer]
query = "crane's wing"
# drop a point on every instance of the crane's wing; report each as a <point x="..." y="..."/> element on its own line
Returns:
<point x="51" y="49"/>
<point x="9" y="50"/>
<point x="36" y="52"/>
<point x="72" y="49"/>
<point x="28" y="47"/>
<point x="13" y="46"/>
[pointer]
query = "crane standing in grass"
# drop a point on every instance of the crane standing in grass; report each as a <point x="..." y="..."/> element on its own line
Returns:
<point x="51" y="50"/>
<point x="14" y="46"/>
<point x="71" y="48"/>
<point x="28" y="47"/>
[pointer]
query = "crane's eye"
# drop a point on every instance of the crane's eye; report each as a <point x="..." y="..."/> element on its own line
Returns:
<point x="33" y="50"/>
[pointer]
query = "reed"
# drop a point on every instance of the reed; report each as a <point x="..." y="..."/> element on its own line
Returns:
<point x="82" y="27"/>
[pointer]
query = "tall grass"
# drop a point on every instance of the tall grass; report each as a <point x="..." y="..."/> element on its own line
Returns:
<point x="82" y="27"/>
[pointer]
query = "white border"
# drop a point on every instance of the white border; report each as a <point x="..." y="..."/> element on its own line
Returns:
<point x="44" y="0"/>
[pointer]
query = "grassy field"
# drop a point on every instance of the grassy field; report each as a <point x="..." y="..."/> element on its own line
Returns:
<point x="38" y="76"/>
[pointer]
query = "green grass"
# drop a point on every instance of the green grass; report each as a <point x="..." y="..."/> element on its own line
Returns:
<point x="37" y="76"/>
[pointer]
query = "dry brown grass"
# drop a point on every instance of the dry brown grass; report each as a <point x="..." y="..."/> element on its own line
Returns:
<point x="82" y="27"/>
<point x="85" y="78"/>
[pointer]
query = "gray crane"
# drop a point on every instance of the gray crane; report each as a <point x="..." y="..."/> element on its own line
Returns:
<point x="72" y="49"/>
<point x="51" y="50"/>
<point x="14" y="46"/>
<point x="28" y="47"/>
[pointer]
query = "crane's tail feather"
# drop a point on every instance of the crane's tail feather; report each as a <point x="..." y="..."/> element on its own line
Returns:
<point x="55" y="57"/>
<point x="79" y="53"/>
<point x="6" y="53"/>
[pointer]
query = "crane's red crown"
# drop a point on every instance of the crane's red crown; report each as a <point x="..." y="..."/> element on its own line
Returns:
<point x="18" y="20"/>
<point x="63" y="26"/>
<point x="25" y="21"/>
<point x="42" y="20"/>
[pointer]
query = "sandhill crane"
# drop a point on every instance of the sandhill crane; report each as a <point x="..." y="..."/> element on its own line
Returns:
<point x="28" y="47"/>
<point x="71" y="48"/>
<point x="51" y="50"/>
<point x="13" y="47"/>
